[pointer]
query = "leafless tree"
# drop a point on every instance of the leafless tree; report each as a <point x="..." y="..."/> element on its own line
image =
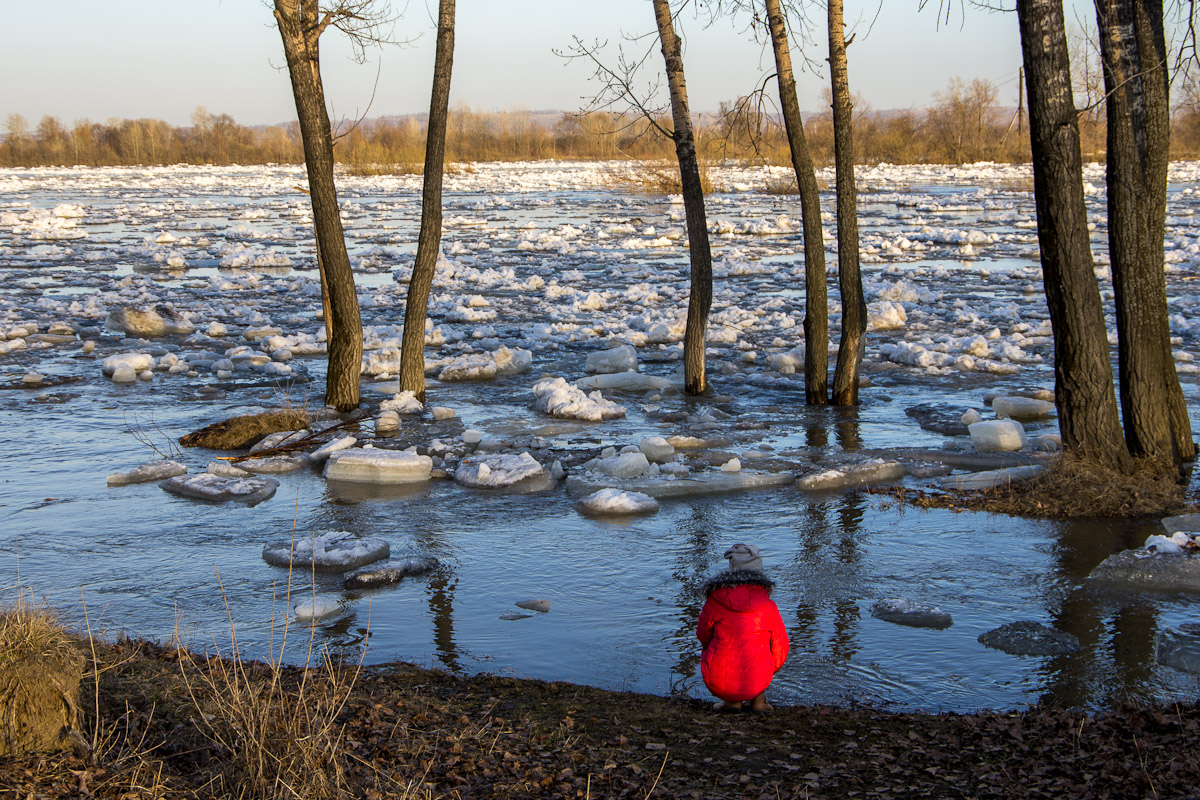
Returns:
<point x="412" y="351"/>
<point x="301" y="23"/>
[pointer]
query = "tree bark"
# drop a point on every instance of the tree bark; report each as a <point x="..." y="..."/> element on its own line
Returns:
<point x="1133" y="51"/>
<point x="816" y="304"/>
<point x="854" y="306"/>
<point x="1084" y="393"/>
<point x="412" y="349"/>
<point x="300" y="28"/>
<point x="700" y="297"/>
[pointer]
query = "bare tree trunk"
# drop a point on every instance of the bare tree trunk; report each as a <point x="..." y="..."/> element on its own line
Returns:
<point x="1084" y="394"/>
<point x="854" y="307"/>
<point x="1133" y="49"/>
<point x="412" y="350"/>
<point x="700" y="299"/>
<point x="816" y="305"/>
<point x="300" y="28"/>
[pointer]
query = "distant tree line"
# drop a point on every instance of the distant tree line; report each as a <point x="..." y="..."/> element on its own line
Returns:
<point x="966" y="124"/>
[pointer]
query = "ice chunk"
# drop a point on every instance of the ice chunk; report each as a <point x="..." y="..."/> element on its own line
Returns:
<point x="405" y="402"/>
<point x="150" y="471"/>
<point x="333" y="551"/>
<point x="206" y="486"/>
<point x="138" y="362"/>
<point x="387" y="421"/>
<point x="614" y="502"/>
<point x="558" y="398"/>
<point x="625" y="465"/>
<point x="987" y="479"/>
<point x="1155" y="572"/>
<point x="1181" y="522"/>
<point x="442" y="413"/>
<point x="618" y="359"/>
<point x="868" y="473"/>
<point x="336" y="445"/>
<point x="695" y="484"/>
<point x="539" y="605"/>
<point x="1030" y="638"/>
<point x="732" y="465"/>
<point x="624" y="382"/>
<point x="503" y="471"/>
<point x="320" y="607"/>
<point x="148" y="323"/>
<point x="656" y="449"/>
<point x="388" y="572"/>
<point x="1021" y="407"/>
<point x="368" y="465"/>
<point x="905" y="612"/>
<point x="997" y="435"/>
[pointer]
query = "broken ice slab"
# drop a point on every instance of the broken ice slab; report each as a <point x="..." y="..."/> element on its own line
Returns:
<point x="1030" y="638"/>
<point x="1147" y="571"/>
<point x="320" y="608"/>
<point x="329" y="448"/>
<point x="997" y="435"/>
<point x="150" y="471"/>
<point x="618" y="359"/>
<point x="385" y="573"/>
<point x="274" y="465"/>
<point x="333" y="551"/>
<point x="369" y="465"/>
<point x="988" y="479"/>
<point x="504" y="471"/>
<point x="616" y="503"/>
<point x="541" y="606"/>
<point x="851" y="476"/>
<point x="1181" y="522"/>
<point x="206" y="486"/>
<point x="624" y="382"/>
<point x="1021" y="407"/>
<point x="556" y="397"/>
<point x="915" y="615"/>
<point x="694" y="484"/>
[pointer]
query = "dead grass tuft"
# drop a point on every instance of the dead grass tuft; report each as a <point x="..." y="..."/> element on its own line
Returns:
<point x="1072" y="487"/>
<point x="28" y="631"/>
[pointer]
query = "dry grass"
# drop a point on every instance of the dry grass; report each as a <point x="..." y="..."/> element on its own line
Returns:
<point x="1072" y="487"/>
<point x="28" y="631"/>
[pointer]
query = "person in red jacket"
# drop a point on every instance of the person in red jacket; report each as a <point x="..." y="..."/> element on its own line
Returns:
<point x="742" y="635"/>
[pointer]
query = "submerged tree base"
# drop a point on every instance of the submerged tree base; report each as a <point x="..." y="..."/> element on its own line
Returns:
<point x="1072" y="487"/>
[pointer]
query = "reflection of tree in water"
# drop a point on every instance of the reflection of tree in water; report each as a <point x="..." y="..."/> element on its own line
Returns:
<point x="440" y="590"/>
<point x="1117" y="654"/>
<point x="825" y="574"/>
<point x="692" y="569"/>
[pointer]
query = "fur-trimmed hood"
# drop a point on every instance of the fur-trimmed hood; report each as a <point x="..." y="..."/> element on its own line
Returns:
<point x="737" y="577"/>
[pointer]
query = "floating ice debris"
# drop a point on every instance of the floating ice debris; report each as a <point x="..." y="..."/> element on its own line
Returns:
<point x="656" y="449"/>
<point x="987" y="479"/>
<point x="150" y="471"/>
<point x="625" y="465"/>
<point x="472" y="436"/>
<point x="226" y="470"/>
<point x="1179" y="648"/>
<point x="149" y="323"/>
<point x="134" y="362"/>
<point x="997" y="436"/>
<point x="274" y="465"/>
<point x="334" y="551"/>
<point x="905" y="612"/>
<point x="868" y="473"/>
<point x="442" y="413"/>
<point x="618" y="359"/>
<point x="540" y="606"/>
<point x="624" y="382"/>
<point x="1021" y="407"/>
<point x="509" y="616"/>
<point x="369" y="465"/>
<point x="732" y="465"/>
<point x="1181" y="522"/>
<point x="614" y="503"/>
<point x="403" y="403"/>
<point x="560" y="399"/>
<point x="700" y="483"/>
<point x="1148" y="570"/>
<point x="206" y="486"/>
<point x="388" y="572"/>
<point x="387" y="421"/>
<point x="503" y="471"/>
<point x="485" y="366"/>
<point x="329" y="448"/>
<point x="320" y="607"/>
<point x="1177" y="542"/>
<point x="1030" y="638"/>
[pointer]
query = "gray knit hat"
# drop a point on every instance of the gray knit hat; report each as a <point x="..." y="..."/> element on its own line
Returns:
<point x="744" y="556"/>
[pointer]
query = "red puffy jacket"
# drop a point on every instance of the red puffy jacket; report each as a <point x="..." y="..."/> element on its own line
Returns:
<point x="742" y="634"/>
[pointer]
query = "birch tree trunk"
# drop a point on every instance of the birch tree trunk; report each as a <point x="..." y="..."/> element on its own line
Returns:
<point x="416" y="306"/>
<point x="1084" y="393"/>
<point x="816" y="303"/>
<point x="854" y="307"/>
<point x="700" y="297"/>
<point x="1133" y="51"/>
<point x="300" y="27"/>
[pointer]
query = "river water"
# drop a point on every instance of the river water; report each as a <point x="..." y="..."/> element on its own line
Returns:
<point x="564" y="261"/>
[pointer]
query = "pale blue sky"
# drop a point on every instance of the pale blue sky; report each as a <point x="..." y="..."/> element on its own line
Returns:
<point x="163" y="58"/>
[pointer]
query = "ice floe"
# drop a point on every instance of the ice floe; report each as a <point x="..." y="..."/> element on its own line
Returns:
<point x="332" y="551"/>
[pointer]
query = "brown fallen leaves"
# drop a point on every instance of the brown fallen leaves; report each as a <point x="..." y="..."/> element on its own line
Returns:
<point x="416" y="733"/>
